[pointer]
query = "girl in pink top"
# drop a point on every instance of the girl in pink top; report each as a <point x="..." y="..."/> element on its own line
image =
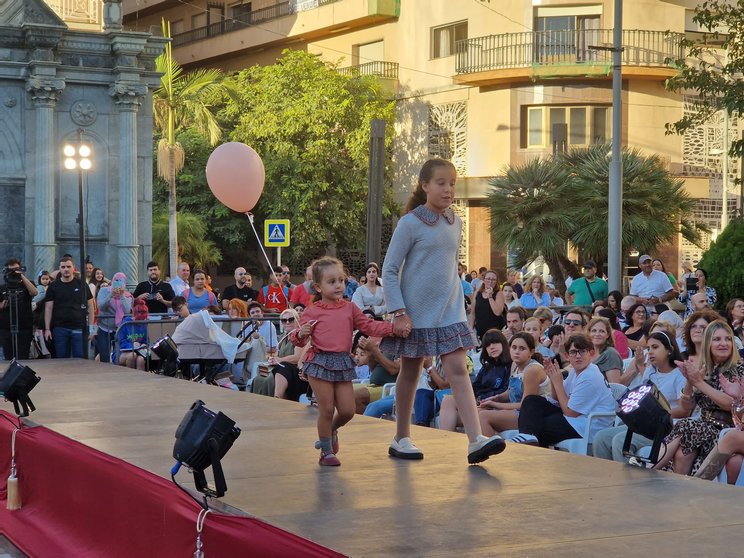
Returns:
<point x="329" y="324"/>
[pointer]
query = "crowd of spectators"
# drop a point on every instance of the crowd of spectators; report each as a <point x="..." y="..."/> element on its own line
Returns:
<point x="543" y="362"/>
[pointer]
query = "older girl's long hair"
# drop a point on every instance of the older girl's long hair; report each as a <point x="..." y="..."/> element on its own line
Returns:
<point x="418" y="197"/>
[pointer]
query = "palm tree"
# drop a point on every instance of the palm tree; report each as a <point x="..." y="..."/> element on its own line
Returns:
<point x="530" y="214"/>
<point x="655" y="206"/>
<point x="538" y="208"/>
<point x="182" y="100"/>
<point x="192" y="232"/>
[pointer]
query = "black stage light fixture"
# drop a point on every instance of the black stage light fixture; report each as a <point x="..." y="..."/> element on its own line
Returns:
<point x="15" y="384"/>
<point x="202" y="439"/>
<point x="167" y="352"/>
<point x="645" y="411"/>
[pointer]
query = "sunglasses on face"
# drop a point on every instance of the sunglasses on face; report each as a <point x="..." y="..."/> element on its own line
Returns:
<point x="572" y="322"/>
<point x="286" y="320"/>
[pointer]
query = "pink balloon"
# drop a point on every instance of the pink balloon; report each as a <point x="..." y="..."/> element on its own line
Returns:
<point x="235" y="174"/>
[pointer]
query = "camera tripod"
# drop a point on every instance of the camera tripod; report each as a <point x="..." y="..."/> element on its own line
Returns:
<point x="11" y="296"/>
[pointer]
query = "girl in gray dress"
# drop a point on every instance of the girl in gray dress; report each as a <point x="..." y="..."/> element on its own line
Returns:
<point x="432" y="320"/>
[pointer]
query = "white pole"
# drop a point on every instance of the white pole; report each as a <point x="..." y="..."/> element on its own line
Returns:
<point x="278" y="255"/>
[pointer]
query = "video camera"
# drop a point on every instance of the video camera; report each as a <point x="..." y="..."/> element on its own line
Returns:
<point x="12" y="277"/>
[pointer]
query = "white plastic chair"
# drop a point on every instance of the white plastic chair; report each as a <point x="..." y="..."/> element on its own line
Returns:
<point x="388" y="390"/>
<point x="581" y="445"/>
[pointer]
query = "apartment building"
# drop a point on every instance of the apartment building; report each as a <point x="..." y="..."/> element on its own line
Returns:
<point x="483" y="83"/>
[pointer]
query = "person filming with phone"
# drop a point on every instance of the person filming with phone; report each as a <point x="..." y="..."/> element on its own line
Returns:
<point x="157" y="294"/>
<point x="16" y="314"/>
<point x="695" y="293"/>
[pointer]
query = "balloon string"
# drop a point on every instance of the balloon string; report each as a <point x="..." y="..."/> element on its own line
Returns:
<point x="268" y="262"/>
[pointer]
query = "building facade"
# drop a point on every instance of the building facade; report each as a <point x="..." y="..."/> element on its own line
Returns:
<point x="59" y="77"/>
<point x="483" y="83"/>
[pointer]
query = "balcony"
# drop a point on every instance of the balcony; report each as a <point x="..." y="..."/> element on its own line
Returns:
<point x="532" y="56"/>
<point x="377" y="68"/>
<point x="254" y="17"/>
<point x="288" y="22"/>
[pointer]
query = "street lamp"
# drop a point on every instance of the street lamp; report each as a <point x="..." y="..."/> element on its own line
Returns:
<point x="78" y="157"/>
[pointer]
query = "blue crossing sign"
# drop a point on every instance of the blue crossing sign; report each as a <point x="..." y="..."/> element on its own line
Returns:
<point x="276" y="233"/>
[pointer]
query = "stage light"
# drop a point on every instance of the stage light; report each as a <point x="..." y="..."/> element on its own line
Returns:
<point x="645" y="411"/>
<point x="167" y="351"/>
<point x="202" y="439"/>
<point x="15" y="385"/>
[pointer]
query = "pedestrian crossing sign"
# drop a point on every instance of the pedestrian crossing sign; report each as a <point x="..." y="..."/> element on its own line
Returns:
<point x="276" y="232"/>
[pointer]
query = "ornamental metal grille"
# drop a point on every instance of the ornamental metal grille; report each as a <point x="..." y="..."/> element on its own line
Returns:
<point x="702" y="146"/>
<point x="448" y="133"/>
<point x="460" y="208"/>
<point x="78" y="11"/>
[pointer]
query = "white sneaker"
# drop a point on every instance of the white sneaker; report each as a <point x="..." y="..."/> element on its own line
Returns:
<point x="404" y="449"/>
<point x="527" y="439"/>
<point x="484" y="448"/>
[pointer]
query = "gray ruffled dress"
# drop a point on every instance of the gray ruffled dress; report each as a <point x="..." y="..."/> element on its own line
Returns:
<point x="420" y="275"/>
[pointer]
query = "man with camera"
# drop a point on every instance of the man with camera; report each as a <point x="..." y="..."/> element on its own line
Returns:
<point x="66" y="300"/>
<point x="16" y="315"/>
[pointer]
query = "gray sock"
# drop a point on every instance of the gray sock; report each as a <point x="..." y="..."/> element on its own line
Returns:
<point x="325" y="445"/>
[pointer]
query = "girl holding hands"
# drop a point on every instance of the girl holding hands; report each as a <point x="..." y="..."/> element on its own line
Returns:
<point x="432" y="321"/>
<point x="329" y="325"/>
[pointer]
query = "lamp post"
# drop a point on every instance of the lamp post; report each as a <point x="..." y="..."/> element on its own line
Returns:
<point x="78" y="157"/>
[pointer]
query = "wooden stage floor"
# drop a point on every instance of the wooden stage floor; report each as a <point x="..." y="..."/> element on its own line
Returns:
<point x="526" y="502"/>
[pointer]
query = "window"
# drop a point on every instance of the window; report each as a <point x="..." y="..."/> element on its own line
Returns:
<point x="444" y="38"/>
<point x="563" y="37"/>
<point x="198" y="20"/>
<point x="176" y="27"/>
<point x="368" y="52"/>
<point x="241" y="11"/>
<point x="586" y="125"/>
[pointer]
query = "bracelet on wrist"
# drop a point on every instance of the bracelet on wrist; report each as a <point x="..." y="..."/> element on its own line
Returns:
<point x="399" y="313"/>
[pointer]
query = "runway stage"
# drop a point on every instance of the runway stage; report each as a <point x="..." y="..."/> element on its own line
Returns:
<point x="526" y="502"/>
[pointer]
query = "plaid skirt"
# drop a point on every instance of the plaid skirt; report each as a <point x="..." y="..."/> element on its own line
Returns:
<point x="432" y="341"/>
<point x="331" y="367"/>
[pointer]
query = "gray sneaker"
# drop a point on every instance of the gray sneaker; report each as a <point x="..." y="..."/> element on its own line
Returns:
<point x="404" y="449"/>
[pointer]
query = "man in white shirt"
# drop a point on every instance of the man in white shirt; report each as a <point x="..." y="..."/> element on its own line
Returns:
<point x="181" y="282"/>
<point x="650" y="286"/>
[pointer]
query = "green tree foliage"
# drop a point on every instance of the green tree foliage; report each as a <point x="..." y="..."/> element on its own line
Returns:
<point x="539" y="207"/>
<point x="311" y="127"/>
<point x="724" y="262"/>
<point x="713" y="74"/>
<point x="192" y="234"/>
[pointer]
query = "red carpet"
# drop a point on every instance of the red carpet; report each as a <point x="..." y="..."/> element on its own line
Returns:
<point x="80" y="502"/>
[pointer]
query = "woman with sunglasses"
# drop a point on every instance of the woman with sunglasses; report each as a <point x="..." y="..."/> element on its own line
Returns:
<point x="636" y="317"/>
<point x="545" y="421"/>
<point x="289" y="382"/>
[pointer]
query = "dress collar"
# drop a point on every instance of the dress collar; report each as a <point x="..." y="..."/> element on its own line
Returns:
<point x="430" y="217"/>
<point x="331" y="306"/>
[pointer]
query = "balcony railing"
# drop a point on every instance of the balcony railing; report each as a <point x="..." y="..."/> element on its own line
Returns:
<point x="376" y="68"/>
<point x="546" y="48"/>
<point x="246" y="19"/>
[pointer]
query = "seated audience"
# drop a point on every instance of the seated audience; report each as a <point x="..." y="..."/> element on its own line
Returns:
<point x="608" y="360"/>
<point x="663" y="372"/>
<point x="712" y="385"/>
<point x="491" y="381"/>
<point x="564" y="416"/>
<point x="528" y="377"/>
